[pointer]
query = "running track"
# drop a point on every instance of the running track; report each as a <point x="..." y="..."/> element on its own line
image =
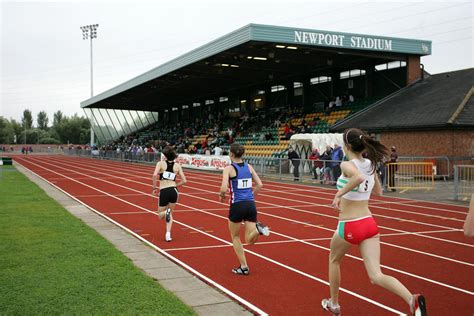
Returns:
<point x="422" y="244"/>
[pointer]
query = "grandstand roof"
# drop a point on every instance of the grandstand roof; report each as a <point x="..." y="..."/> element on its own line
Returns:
<point x="252" y="55"/>
<point x="440" y="101"/>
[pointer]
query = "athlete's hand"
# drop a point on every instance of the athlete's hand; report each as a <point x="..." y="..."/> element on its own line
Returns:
<point x="336" y="202"/>
<point x="155" y="191"/>
<point x="222" y="198"/>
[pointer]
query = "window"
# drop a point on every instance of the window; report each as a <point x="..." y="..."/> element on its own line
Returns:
<point x="321" y="79"/>
<point x="278" y="88"/>
<point x="223" y="99"/>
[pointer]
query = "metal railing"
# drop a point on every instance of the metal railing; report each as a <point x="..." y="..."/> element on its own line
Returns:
<point x="410" y="175"/>
<point x="130" y="156"/>
<point x="463" y="182"/>
<point x="441" y="164"/>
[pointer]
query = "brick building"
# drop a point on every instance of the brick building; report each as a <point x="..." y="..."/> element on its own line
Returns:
<point x="431" y="117"/>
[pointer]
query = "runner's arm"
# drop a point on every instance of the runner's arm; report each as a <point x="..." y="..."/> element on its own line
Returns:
<point x="355" y="177"/>
<point x="469" y="223"/>
<point x="377" y="190"/>
<point x="225" y="183"/>
<point x="256" y="179"/>
<point x="155" y="174"/>
<point x="181" y="176"/>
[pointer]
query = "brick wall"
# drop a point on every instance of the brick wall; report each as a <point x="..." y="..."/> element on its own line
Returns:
<point x="413" y="69"/>
<point x="431" y="143"/>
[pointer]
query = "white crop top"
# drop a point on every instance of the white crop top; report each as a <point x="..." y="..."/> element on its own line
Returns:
<point x="361" y="192"/>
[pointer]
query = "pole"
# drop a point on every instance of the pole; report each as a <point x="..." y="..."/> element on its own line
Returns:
<point x="92" y="93"/>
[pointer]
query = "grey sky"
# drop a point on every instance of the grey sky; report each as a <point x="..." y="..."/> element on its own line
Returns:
<point x="45" y="61"/>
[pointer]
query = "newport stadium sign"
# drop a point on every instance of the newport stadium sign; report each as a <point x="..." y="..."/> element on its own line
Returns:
<point x="340" y="40"/>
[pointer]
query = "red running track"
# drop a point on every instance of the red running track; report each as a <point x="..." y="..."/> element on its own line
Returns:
<point x="422" y="243"/>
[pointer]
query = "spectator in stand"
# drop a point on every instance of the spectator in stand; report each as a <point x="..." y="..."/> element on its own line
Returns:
<point x="317" y="164"/>
<point x="338" y="102"/>
<point x="337" y="155"/>
<point x="217" y="151"/>
<point x="392" y="169"/>
<point x="276" y="123"/>
<point x="286" y="131"/>
<point x="295" y="160"/>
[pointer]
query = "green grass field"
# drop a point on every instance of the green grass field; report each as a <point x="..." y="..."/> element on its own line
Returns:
<point x="53" y="263"/>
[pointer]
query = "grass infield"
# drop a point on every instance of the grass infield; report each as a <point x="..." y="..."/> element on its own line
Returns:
<point x="53" y="263"/>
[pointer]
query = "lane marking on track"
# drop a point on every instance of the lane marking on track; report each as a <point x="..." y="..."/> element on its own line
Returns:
<point x="357" y="258"/>
<point x="217" y="238"/>
<point x="176" y="260"/>
<point x="422" y="232"/>
<point x="329" y="216"/>
<point x="317" y="204"/>
<point x="212" y="179"/>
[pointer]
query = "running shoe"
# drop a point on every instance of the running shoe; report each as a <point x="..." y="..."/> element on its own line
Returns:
<point x="168" y="237"/>
<point x="327" y="306"/>
<point x="262" y="229"/>
<point x="241" y="271"/>
<point x="418" y="305"/>
<point x="168" y="215"/>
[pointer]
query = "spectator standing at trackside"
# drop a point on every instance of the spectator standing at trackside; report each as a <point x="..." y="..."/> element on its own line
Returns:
<point x="295" y="160"/>
<point x="336" y="158"/>
<point x="316" y="164"/>
<point x="392" y="168"/>
<point x="327" y="171"/>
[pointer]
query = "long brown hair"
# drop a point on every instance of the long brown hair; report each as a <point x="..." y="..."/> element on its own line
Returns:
<point x="358" y="141"/>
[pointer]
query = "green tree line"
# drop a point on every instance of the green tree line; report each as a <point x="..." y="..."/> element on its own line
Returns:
<point x="73" y="129"/>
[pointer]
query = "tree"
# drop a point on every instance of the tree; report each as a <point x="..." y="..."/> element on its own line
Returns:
<point x="42" y="120"/>
<point x="17" y="129"/>
<point x="58" y="117"/>
<point x="6" y="131"/>
<point x="74" y="130"/>
<point x="27" y="119"/>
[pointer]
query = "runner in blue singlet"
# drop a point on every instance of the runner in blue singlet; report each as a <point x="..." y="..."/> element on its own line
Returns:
<point x="238" y="179"/>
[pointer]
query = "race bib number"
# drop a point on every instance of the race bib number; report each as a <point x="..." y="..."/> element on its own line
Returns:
<point x="244" y="183"/>
<point x="169" y="175"/>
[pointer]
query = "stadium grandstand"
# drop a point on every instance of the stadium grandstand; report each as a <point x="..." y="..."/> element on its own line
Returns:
<point x="258" y="85"/>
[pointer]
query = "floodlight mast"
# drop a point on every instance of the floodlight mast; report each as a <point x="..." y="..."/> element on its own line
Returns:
<point x="90" y="32"/>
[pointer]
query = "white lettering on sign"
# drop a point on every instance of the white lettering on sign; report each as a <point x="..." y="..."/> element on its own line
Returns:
<point x="338" y="40"/>
<point x="319" y="38"/>
<point x="244" y="183"/>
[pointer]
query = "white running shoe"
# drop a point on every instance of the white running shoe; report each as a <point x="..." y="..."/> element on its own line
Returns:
<point x="262" y="229"/>
<point x="168" y="237"/>
<point x="328" y="306"/>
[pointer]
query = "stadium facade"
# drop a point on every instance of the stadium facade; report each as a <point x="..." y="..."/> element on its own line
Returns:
<point x="258" y="67"/>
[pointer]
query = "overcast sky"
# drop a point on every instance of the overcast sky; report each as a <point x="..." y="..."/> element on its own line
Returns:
<point x="45" y="62"/>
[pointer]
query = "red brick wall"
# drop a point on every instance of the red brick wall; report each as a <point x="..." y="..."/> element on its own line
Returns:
<point x="431" y="143"/>
<point x="413" y="69"/>
<point x="434" y="143"/>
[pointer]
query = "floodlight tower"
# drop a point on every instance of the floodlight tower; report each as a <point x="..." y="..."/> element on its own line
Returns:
<point x="90" y="32"/>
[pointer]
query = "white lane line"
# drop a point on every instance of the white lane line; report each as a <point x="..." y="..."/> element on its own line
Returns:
<point x="324" y="215"/>
<point x="217" y="238"/>
<point x="160" y="250"/>
<point x="315" y="245"/>
<point x="321" y="214"/>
